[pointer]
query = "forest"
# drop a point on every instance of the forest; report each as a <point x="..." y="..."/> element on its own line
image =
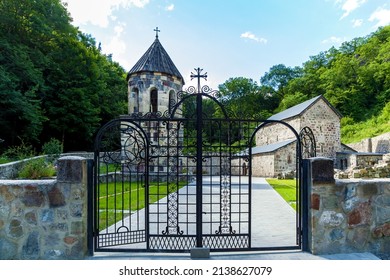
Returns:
<point x="55" y="83"/>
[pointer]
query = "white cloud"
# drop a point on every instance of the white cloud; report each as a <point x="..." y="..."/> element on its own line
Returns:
<point x="357" y="22"/>
<point x="381" y="15"/>
<point x="333" y="40"/>
<point x="170" y="8"/>
<point x="98" y="12"/>
<point x="349" y="6"/>
<point x="251" y="36"/>
<point x="116" y="45"/>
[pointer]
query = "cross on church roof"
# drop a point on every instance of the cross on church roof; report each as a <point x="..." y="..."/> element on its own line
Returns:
<point x="157" y="30"/>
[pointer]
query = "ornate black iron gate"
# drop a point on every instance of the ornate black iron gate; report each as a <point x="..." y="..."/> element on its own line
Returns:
<point x="178" y="180"/>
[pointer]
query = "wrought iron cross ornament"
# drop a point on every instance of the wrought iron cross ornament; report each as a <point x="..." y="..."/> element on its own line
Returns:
<point x="198" y="76"/>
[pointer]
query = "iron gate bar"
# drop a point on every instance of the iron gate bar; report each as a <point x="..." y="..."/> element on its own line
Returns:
<point x="199" y="155"/>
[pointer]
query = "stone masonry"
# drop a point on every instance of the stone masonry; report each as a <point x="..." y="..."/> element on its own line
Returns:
<point x="347" y="216"/>
<point x="45" y="219"/>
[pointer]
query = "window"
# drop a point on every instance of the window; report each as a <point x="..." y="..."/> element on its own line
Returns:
<point x="172" y="100"/>
<point x="136" y="99"/>
<point x="153" y="101"/>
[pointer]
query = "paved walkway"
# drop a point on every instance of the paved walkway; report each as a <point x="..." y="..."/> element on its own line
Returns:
<point x="273" y="224"/>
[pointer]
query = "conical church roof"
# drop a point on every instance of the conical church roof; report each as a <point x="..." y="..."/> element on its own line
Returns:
<point x="156" y="59"/>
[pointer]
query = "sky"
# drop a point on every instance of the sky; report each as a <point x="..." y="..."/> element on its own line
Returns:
<point x="226" y="38"/>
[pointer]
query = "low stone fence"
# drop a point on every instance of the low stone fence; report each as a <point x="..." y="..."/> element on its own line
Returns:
<point x="11" y="170"/>
<point x="46" y="219"/>
<point x="347" y="216"/>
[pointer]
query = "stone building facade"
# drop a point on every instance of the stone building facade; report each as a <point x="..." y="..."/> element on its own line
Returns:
<point x="317" y="114"/>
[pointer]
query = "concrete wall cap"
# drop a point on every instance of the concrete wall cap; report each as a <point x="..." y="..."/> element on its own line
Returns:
<point x="27" y="182"/>
<point x="71" y="158"/>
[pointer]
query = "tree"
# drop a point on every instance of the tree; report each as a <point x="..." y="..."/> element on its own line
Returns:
<point x="244" y="97"/>
<point x="54" y="81"/>
<point x="278" y="77"/>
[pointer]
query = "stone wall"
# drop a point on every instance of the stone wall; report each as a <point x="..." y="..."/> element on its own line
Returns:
<point x="325" y="124"/>
<point x="347" y="216"/>
<point x="378" y="144"/>
<point x="11" y="170"/>
<point x="366" y="166"/>
<point x="275" y="164"/>
<point x="144" y="83"/>
<point x="276" y="132"/>
<point x="45" y="219"/>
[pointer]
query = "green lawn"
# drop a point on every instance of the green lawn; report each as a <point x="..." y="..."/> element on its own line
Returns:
<point x="286" y="188"/>
<point x="117" y="201"/>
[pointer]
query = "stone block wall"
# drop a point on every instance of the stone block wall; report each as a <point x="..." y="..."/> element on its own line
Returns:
<point x="144" y="83"/>
<point x="45" y="219"/>
<point x="378" y="144"/>
<point x="11" y="170"/>
<point x="347" y="216"/>
<point x="276" y="132"/>
<point x="325" y="124"/>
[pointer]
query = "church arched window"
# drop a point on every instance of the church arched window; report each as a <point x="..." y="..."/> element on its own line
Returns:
<point x="136" y="100"/>
<point x="172" y="100"/>
<point x="153" y="101"/>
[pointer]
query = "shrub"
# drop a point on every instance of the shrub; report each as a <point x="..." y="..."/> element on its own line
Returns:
<point x="36" y="169"/>
<point x="20" y="152"/>
<point x="53" y="149"/>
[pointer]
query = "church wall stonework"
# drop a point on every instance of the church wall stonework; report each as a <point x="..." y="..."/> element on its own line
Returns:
<point x="325" y="125"/>
<point x="276" y="132"/>
<point x="145" y="83"/>
<point x="263" y="165"/>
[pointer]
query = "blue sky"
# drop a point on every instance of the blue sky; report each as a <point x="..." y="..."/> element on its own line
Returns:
<point x="240" y="38"/>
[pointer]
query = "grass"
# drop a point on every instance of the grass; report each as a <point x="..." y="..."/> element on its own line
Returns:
<point x="286" y="188"/>
<point x="117" y="201"/>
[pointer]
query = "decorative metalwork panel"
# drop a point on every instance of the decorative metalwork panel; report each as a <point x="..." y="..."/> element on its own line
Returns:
<point x="308" y="143"/>
<point x="121" y="154"/>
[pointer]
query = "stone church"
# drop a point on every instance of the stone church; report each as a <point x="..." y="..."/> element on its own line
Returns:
<point x="275" y="151"/>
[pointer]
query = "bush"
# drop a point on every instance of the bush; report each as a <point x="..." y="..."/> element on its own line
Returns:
<point x="53" y="149"/>
<point x="36" y="169"/>
<point x="20" y="152"/>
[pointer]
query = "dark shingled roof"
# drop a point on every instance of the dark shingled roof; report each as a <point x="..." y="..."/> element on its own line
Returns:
<point x="299" y="109"/>
<point x="156" y="59"/>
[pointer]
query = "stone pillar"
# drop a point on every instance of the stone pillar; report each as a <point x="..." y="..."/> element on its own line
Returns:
<point x="320" y="183"/>
<point x="72" y="177"/>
